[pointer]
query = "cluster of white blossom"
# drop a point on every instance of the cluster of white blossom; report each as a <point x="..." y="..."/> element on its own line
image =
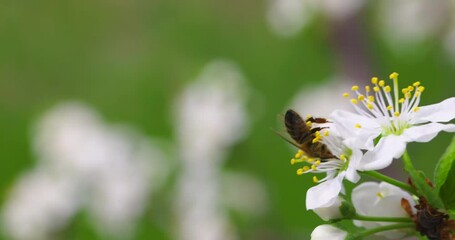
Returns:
<point x="386" y="118"/>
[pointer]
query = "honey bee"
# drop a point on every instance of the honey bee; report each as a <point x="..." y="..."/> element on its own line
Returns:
<point x="303" y="135"/>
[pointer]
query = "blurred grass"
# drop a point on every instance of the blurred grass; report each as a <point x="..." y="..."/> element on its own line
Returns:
<point x="130" y="59"/>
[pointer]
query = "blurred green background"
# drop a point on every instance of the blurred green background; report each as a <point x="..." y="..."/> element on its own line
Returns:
<point x="130" y="60"/>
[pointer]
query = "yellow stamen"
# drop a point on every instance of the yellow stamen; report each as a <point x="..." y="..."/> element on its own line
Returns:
<point x="374" y="80"/>
<point x="361" y="97"/>
<point x="393" y="75"/>
<point x="387" y="88"/>
<point x="326" y="133"/>
<point x="370" y="106"/>
<point x="354" y="101"/>
<point x="298" y="155"/>
<point x="404" y="90"/>
<point x="343" y="157"/>
<point x="317" y="163"/>
<point x="310" y="160"/>
<point x="381" y="83"/>
<point x="416" y="84"/>
<point x="300" y="171"/>
<point x="379" y="194"/>
<point x="397" y="114"/>
<point x="389" y="107"/>
<point x="407" y="95"/>
<point x="355" y="88"/>
<point x="401" y="100"/>
<point x="346" y="95"/>
<point x="421" y="89"/>
<point x="313" y="167"/>
<point x="376" y="89"/>
<point x="416" y="109"/>
<point x="357" y="125"/>
<point x="371" y="98"/>
<point x="367" y="89"/>
<point x="306" y="168"/>
<point x="308" y="116"/>
<point x="308" y="123"/>
<point x="410" y="88"/>
<point x="293" y="161"/>
<point x="315" y="179"/>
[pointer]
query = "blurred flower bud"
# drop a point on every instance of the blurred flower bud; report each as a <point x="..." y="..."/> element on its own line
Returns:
<point x="326" y="231"/>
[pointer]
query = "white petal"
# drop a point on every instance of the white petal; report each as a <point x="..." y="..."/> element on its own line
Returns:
<point x="426" y="132"/>
<point x="354" y="160"/>
<point x="387" y="149"/>
<point x="324" y="194"/>
<point x="359" y="137"/>
<point x="439" y="112"/>
<point x="330" y="212"/>
<point x="364" y="195"/>
<point x="324" y="232"/>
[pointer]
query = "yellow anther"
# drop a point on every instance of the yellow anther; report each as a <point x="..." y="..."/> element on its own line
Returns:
<point x="354" y="101"/>
<point x="361" y="97"/>
<point x="416" y="109"/>
<point x="417" y="93"/>
<point x="370" y="106"/>
<point x="308" y="123"/>
<point x="315" y="179"/>
<point x="397" y="114"/>
<point x="308" y="116"/>
<point x="371" y="98"/>
<point x="300" y="171"/>
<point x="292" y="161"/>
<point x="357" y="125"/>
<point x="298" y="155"/>
<point x="346" y="95"/>
<point x="355" y="88"/>
<point x="313" y="167"/>
<point x="379" y="194"/>
<point x="407" y="95"/>
<point x="305" y="168"/>
<point x="421" y="89"/>
<point x="387" y="88"/>
<point x="389" y="107"/>
<point x="393" y="75"/>
<point x="374" y="80"/>
<point x="367" y="89"/>
<point x="310" y="160"/>
<point x="317" y="163"/>
<point x="381" y="83"/>
<point x="404" y="90"/>
<point x="410" y="88"/>
<point x="376" y="89"/>
<point x="343" y="157"/>
<point x="401" y="100"/>
<point x="326" y="133"/>
<point x="416" y="84"/>
<point x="316" y="139"/>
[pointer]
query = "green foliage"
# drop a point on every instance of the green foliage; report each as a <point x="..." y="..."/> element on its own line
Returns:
<point x="420" y="182"/>
<point x="445" y="176"/>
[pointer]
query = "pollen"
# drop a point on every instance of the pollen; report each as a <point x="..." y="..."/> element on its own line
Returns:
<point x="354" y="101"/>
<point x="393" y="75"/>
<point x="421" y="89"/>
<point x="293" y="161"/>
<point x="401" y="100"/>
<point x="305" y="168"/>
<point x="346" y="95"/>
<point x="389" y="107"/>
<point x="407" y="95"/>
<point x="310" y="160"/>
<point x="313" y="167"/>
<point x="404" y="90"/>
<point x="387" y="88"/>
<point x="370" y="106"/>
<point x="381" y="83"/>
<point x="374" y="80"/>
<point x="397" y="114"/>
<point x="361" y="97"/>
<point x="416" y="84"/>
<point x="300" y="171"/>
<point x="371" y="98"/>
<point x="410" y="88"/>
<point x="355" y="88"/>
<point x="299" y="154"/>
<point x="317" y="163"/>
<point x="315" y="179"/>
<point x="308" y="123"/>
<point x="376" y="89"/>
<point x="357" y="125"/>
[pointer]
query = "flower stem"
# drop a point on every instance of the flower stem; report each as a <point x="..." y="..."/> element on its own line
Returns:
<point x="381" y="219"/>
<point x="390" y="180"/>
<point x="372" y="231"/>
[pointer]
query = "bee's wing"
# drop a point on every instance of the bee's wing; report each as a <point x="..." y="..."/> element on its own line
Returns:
<point x="287" y="138"/>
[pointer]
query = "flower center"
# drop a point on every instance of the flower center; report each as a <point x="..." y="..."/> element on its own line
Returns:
<point x="392" y="111"/>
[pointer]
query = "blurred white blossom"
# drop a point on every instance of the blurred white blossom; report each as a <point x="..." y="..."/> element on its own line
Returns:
<point x="210" y="117"/>
<point x="112" y="169"/>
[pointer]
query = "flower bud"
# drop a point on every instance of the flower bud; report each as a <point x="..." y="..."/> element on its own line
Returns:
<point x="326" y="231"/>
<point x="331" y="211"/>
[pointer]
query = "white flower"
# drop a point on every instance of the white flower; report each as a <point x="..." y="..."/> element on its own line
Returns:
<point x="380" y="200"/>
<point x="330" y="212"/>
<point x="326" y="231"/>
<point x="342" y="165"/>
<point x="395" y="120"/>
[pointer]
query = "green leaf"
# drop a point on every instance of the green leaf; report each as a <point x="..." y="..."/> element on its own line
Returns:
<point x="419" y="181"/>
<point x="446" y="191"/>
<point x="444" y="165"/>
